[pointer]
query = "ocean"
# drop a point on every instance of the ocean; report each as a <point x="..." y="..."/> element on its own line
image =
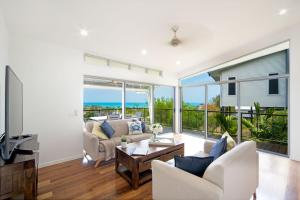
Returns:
<point x="115" y="104"/>
<point x="119" y="104"/>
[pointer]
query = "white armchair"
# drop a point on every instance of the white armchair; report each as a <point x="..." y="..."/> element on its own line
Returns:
<point x="233" y="176"/>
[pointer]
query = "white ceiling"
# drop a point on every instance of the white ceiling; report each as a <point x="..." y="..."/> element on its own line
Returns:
<point x="121" y="29"/>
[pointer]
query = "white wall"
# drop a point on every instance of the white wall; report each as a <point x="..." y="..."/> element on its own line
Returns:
<point x="3" y="63"/>
<point x="292" y="34"/>
<point x="52" y="76"/>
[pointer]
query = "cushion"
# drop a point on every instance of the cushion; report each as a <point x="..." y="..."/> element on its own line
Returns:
<point x="230" y="141"/>
<point x="143" y="127"/>
<point x="107" y="129"/>
<point x="219" y="148"/>
<point x="98" y="131"/>
<point x="193" y="165"/>
<point x="120" y="127"/>
<point x="135" y="127"/>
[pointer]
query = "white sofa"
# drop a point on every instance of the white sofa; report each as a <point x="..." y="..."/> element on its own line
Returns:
<point x="233" y="176"/>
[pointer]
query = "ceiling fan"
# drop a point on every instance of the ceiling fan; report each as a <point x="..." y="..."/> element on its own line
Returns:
<point x="175" y="41"/>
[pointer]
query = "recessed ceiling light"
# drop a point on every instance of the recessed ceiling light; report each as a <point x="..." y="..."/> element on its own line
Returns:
<point x="144" y="52"/>
<point x="178" y="62"/>
<point x="282" y="12"/>
<point x="84" y="32"/>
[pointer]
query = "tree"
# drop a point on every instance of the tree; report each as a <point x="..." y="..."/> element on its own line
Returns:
<point x="268" y="124"/>
<point x="227" y="123"/>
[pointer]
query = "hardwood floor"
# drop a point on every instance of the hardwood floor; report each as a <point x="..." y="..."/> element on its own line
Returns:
<point x="78" y="179"/>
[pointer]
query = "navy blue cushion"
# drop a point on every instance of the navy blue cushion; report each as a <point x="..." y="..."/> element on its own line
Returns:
<point x="143" y="127"/>
<point x="219" y="148"/>
<point x="193" y="165"/>
<point x="107" y="129"/>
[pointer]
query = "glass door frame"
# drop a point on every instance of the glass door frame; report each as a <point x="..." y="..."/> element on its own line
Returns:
<point x="238" y="100"/>
<point x="124" y="82"/>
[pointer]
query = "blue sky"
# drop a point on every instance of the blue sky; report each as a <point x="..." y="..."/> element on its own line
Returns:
<point x="196" y="94"/>
<point x="191" y="95"/>
<point x="107" y="95"/>
<point x="201" y="78"/>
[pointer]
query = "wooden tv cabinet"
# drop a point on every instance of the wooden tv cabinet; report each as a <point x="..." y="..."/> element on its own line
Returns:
<point x="19" y="176"/>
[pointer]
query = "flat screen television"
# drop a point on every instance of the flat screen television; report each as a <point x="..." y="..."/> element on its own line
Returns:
<point x="12" y="137"/>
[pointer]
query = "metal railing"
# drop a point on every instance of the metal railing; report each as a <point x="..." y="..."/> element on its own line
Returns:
<point x="193" y="120"/>
<point x="163" y="116"/>
<point x="268" y="130"/>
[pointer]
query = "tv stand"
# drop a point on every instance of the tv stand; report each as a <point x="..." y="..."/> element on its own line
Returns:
<point x="23" y="151"/>
<point x="7" y="150"/>
<point x="19" y="175"/>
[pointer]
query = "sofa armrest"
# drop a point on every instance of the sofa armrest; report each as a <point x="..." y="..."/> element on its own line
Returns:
<point x="91" y="144"/>
<point x="208" y="145"/>
<point x="171" y="183"/>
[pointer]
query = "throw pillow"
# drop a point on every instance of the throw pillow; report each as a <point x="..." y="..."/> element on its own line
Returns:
<point x="193" y="165"/>
<point x="143" y="127"/>
<point x="219" y="148"/>
<point x="98" y="132"/>
<point x="135" y="127"/>
<point x="107" y="129"/>
<point x="230" y="141"/>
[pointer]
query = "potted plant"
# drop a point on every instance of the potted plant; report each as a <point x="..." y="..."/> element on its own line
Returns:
<point x="123" y="141"/>
<point x="156" y="129"/>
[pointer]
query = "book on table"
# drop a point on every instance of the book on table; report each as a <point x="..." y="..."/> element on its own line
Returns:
<point x="162" y="142"/>
<point x="140" y="152"/>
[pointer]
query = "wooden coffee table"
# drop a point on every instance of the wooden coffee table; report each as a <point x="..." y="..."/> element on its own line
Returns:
<point x="137" y="169"/>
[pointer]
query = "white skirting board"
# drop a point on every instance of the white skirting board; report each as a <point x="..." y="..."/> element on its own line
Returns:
<point x="46" y="164"/>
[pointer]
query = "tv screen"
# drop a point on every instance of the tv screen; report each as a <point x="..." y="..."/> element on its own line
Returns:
<point x="13" y="104"/>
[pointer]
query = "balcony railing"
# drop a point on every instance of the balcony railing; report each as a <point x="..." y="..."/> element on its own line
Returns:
<point x="268" y="130"/>
<point x="163" y="116"/>
<point x="142" y="113"/>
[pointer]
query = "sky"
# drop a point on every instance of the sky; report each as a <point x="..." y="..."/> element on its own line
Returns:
<point x="115" y="95"/>
<point x="196" y="94"/>
<point x="190" y="95"/>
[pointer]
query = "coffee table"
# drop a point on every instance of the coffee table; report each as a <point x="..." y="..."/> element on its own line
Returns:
<point x="137" y="169"/>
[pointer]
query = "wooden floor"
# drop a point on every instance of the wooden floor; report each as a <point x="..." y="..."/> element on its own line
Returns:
<point x="78" y="179"/>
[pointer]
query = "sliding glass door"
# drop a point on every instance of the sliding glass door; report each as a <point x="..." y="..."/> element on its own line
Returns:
<point x="115" y="99"/>
<point x="164" y="107"/>
<point x="138" y="101"/>
<point x="248" y="100"/>
<point x="102" y="99"/>
<point x="193" y="110"/>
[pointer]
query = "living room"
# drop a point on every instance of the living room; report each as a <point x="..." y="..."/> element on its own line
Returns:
<point x="166" y="62"/>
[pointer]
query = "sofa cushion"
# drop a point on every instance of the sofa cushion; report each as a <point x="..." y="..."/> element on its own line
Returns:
<point x="230" y="141"/>
<point x="192" y="164"/>
<point x="135" y="127"/>
<point x="98" y="131"/>
<point x="137" y="138"/>
<point x="107" y="129"/>
<point x="201" y="154"/>
<point x="219" y="148"/>
<point x="143" y="127"/>
<point x="120" y="127"/>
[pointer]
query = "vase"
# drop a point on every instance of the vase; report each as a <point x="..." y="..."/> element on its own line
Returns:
<point x="154" y="136"/>
<point x="124" y="145"/>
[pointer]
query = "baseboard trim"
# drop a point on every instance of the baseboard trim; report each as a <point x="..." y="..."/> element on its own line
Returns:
<point x="54" y="162"/>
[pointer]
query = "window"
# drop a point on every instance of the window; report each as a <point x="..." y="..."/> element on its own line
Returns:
<point x="231" y="86"/>
<point x="273" y="84"/>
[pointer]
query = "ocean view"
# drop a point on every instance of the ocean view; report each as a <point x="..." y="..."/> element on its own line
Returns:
<point x="115" y="104"/>
<point x="119" y="104"/>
